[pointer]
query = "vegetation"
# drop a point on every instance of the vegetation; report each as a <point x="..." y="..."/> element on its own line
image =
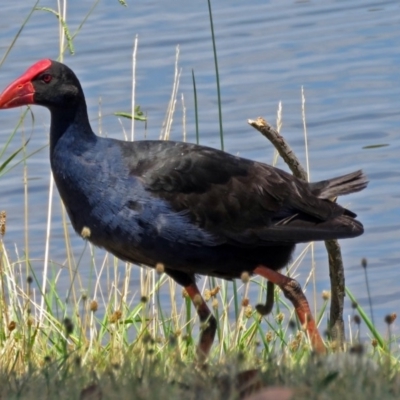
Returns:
<point x="93" y="344"/>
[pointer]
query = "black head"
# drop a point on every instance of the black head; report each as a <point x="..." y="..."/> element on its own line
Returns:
<point x="47" y="83"/>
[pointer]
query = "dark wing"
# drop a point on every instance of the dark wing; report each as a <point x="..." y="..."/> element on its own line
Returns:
<point x="235" y="199"/>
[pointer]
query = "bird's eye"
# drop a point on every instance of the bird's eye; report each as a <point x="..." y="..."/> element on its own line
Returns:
<point x="46" y="78"/>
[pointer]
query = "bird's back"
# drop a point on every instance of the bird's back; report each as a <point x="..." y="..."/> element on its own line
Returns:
<point x="191" y="207"/>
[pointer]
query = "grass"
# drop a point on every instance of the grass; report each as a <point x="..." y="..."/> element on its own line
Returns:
<point x="99" y="340"/>
<point x="150" y="375"/>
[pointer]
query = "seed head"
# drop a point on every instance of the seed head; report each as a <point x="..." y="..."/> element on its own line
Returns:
<point x="207" y="295"/>
<point x="390" y="318"/>
<point x="245" y="277"/>
<point x="299" y="335"/>
<point x="294" y="345"/>
<point x="185" y="294"/>
<point x="357" y="319"/>
<point x="12" y="325"/>
<point x="326" y="295"/>
<point x="68" y="325"/>
<point x="279" y="318"/>
<point x="215" y="304"/>
<point x="245" y="302"/>
<point x="144" y="299"/>
<point x="374" y="343"/>
<point x="215" y="291"/>
<point x="93" y="306"/>
<point x="86" y="232"/>
<point x="364" y="262"/>
<point x="115" y="316"/>
<point x="160" y="268"/>
<point x="248" y="311"/>
<point x="269" y="337"/>
<point x="148" y="339"/>
<point x="112" y="319"/>
<point x="29" y="280"/>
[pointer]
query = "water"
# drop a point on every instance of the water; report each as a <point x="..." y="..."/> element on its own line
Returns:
<point x="342" y="53"/>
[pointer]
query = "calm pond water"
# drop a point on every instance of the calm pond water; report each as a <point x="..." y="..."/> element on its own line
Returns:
<point x="345" y="54"/>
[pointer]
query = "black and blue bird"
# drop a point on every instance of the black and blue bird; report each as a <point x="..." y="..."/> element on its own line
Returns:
<point x="194" y="209"/>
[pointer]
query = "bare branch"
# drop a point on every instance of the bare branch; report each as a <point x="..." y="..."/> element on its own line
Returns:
<point x="336" y="270"/>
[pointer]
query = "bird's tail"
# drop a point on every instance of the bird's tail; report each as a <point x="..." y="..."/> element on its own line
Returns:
<point x="341" y="185"/>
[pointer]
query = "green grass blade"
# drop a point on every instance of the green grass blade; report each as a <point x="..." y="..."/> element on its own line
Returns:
<point x="139" y="115"/>
<point x="221" y="131"/>
<point x="367" y="321"/>
<point x="196" y="114"/>
<point x="68" y="36"/>
<point x="9" y="159"/>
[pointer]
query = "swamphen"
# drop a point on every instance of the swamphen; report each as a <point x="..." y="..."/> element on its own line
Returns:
<point x="195" y="209"/>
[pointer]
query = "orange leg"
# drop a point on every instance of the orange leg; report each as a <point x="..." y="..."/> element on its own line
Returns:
<point x="292" y="291"/>
<point x="207" y="319"/>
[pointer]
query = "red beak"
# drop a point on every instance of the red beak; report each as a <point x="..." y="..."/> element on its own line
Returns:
<point x="21" y="91"/>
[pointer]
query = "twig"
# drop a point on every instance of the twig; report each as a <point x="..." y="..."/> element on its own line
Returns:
<point x="281" y="145"/>
<point x="336" y="275"/>
<point x="336" y="271"/>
